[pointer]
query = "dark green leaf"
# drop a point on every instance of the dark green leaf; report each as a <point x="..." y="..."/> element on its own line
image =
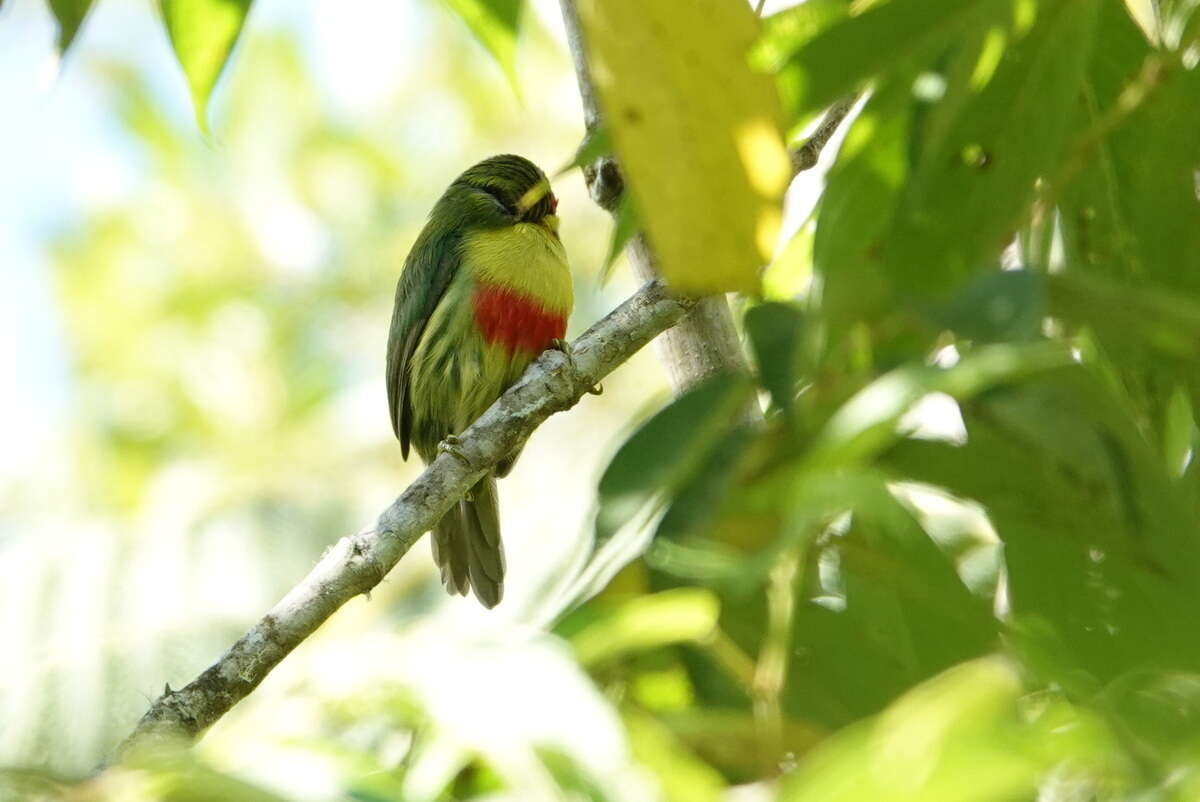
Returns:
<point x="998" y="306"/>
<point x="70" y="15"/>
<point x="625" y="225"/>
<point x="667" y="449"/>
<point x="776" y="334"/>
<point x="694" y="506"/>
<point x="971" y="190"/>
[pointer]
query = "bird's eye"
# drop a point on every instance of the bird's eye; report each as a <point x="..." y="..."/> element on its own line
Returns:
<point x="504" y="202"/>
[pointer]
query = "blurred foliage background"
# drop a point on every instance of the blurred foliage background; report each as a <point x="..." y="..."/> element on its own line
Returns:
<point x="958" y="562"/>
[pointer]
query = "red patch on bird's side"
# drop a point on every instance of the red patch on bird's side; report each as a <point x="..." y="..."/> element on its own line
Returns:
<point x="516" y="321"/>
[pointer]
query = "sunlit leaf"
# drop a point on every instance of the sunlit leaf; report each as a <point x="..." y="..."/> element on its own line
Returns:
<point x="647" y="622"/>
<point x="698" y="138"/>
<point x="789" y="30"/>
<point x="495" y="24"/>
<point x="203" y="33"/>
<point x="963" y="736"/>
<point x="837" y="60"/>
<point x="681" y="775"/>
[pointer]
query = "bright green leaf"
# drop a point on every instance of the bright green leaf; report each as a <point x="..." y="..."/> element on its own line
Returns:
<point x="203" y="33"/>
<point x="1179" y="432"/>
<point x="697" y="134"/>
<point x="495" y="24"/>
<point x="682" y="776"/>
<point x="963" y="736"/>
<point x="647" y="622"/>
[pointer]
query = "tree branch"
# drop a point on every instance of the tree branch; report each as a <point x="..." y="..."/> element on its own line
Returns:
<point x="806" y="155"/>
<point x="706" y="341"/>
<point x="357" y="563"/>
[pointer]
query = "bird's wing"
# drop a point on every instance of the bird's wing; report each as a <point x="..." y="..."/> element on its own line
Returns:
<point x="430" y="266"/>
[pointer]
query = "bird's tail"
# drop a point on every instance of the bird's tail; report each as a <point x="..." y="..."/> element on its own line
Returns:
<point x="467" y="547"/>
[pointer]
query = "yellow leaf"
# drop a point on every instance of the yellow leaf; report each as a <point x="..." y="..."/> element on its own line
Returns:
<point x="697" y="132"/>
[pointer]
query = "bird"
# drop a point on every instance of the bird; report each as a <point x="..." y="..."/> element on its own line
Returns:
<point x="484" y="290"/>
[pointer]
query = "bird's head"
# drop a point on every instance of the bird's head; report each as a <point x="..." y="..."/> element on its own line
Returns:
<point x="505" y="190"/>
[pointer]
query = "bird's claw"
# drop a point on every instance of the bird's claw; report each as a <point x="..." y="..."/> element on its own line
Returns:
<point x="450" y="445"/>
<point x="559" y="344"/>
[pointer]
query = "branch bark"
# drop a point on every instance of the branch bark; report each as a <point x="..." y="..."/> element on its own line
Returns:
<point x="805" y="156"/>
<point x="706" y="341"/>
<point x="357" y="563"/>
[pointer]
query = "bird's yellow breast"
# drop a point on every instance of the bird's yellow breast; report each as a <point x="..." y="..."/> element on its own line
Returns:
<point x="526" y="258"/>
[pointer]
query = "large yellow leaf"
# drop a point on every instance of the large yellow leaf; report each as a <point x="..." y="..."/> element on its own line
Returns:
<point x="697" y="132"/>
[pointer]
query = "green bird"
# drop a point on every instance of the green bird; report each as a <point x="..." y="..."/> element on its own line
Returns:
<point x="485" y="289"/>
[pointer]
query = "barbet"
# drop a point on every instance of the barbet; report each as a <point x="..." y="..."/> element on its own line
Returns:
<point x="485" y="289"/>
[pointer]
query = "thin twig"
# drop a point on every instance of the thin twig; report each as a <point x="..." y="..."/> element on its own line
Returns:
<point x="357" y="563"/>
<point x="805" y="156"/>
<point x="773" y="658"/>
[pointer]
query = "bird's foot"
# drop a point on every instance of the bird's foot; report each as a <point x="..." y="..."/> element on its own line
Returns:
<point x="450" y="445"/>
<point x="559" y="344"/>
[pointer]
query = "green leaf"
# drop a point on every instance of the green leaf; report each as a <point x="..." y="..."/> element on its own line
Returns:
<point x="625" y="226"/>
<point x="973" y="186"/>
<point x="1179" y="432"/>
<point x="867" y="423"/>
<point x="682" y="776"/>
<point x="1130" y="212"/>
<point x="203" y="34"/>
<point x="963" y="736"/>
<point x="789" y="30"/>
<point x="495" y="24"/>
<point x="667" y="449"/>
<point x="863" y="188"/>
<point x="776" y="334"/>
<point x="699" y="138"/>
<point x="694" y="506"/>
<point x="594" y="145"/>
<point x="646" y="622"/>
<point x="70" y="15"/>
<point x="998" y="306"/>
<point x="838" y="60"/>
